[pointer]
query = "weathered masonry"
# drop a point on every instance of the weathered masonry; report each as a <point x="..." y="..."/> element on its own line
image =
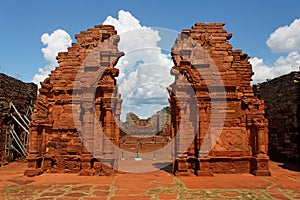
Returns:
<point x="282" y="106"/>
<point x="221" y="93"/>
<point x="62" y="128"/>
<point x="22" y="96"/>
<point x="218" y="125"/>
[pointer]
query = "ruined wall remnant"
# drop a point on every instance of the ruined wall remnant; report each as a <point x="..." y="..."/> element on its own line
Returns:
<point x="202" y="55"/>
<point x="154" y="125"/>
<point x="64" y="134"/>
<point x="282" y="106"/>
<point x="22" y="95"/>
<point x="145" y="135"/>
<point x="211" y="94"/>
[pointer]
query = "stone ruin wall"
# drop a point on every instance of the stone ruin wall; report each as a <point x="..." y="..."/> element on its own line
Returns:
<point x="84" y="79"/>
<point x="282" y="106"/>
<point x="242" y="145"/>
<point x="21" y="95"/>
<point x="157" y="124"/>
<point x="145" y="135"/>
<point x="57" y="144"/>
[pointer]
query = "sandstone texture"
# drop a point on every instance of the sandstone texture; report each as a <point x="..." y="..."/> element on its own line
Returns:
<point x="218" y="125"/>
<point x="212" y="100"/>
<point x="282" y="106"/>
<point x="81" y="89"/>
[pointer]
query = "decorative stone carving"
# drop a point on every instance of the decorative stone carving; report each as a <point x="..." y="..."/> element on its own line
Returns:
<point x="211" y="97"/>
<point x="206" y="62"/>
<point x="79" y="96"/>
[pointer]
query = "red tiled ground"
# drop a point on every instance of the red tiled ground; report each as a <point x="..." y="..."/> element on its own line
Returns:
<point x="283" y="184"/>
<point x="167" y="196"/>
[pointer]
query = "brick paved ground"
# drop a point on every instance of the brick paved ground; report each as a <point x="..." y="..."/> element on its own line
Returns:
<point x="283" y="184"/>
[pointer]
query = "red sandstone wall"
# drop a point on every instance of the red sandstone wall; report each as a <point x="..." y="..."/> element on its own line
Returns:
<point x="64" y="134"/>
<point x="55" y="142"/>
<point x="205" y="61"/>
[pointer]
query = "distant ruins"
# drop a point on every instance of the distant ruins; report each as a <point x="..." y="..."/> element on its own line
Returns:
<point x="156" y="124"/>
<point x="145" y="135"/>
<point x="65" y="137"/>
<point x="282" y="106"/>
<point x="22" y="95"/>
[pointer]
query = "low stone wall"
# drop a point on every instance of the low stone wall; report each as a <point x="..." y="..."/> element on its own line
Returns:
<point x="143" y="144"/>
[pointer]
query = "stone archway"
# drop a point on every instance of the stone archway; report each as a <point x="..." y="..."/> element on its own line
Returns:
<point x="64" y="133"/>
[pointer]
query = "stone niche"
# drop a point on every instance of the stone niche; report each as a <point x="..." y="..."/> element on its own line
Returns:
<point x="211" y="94"/>
<point x="212" y="101"/>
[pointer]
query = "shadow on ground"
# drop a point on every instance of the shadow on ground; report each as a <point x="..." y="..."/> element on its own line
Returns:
<point x="290" y="166"/>
<point x="165" y="166"/>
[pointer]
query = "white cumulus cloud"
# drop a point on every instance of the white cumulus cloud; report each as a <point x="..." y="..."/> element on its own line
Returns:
<point x="285" y="39"/>
<point x="144" y="70"/>
<point x="56" y="42"/>
<point x="282" y="66"/>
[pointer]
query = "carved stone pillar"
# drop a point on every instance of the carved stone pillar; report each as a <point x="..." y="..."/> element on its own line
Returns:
<point x="184" y="137"/>
<point x="34" y="149"/>
<point x="87" y="137"/>
<point x="261" y="161"/>
<point x="109" y="141"/>
<point x="202" y="109"/>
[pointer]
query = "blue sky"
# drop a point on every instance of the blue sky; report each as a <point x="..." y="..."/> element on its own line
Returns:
<point x="23" y="22"/>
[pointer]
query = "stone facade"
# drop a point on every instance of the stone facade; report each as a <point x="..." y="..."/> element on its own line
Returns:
<point x="212" y="100"/>
<point x="282" y="106"/>
<point x="211" y="94"/>
<point x="22" y="95"/>
<point x="81" y="89"/>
